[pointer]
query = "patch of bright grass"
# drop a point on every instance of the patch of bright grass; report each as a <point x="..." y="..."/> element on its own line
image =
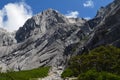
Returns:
<point x="25" y="75"/>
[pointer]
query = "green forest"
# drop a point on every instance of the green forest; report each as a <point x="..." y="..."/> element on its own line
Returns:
<point x="101" y="63"/>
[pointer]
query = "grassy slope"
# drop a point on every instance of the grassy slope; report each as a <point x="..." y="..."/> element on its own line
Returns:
<point x="25" y="75"/>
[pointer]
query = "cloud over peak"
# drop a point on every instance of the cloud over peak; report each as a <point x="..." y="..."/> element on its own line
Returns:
<point x="14" y="15"/>
<point x="89" y="3"/>
<point x="87" y="18"/>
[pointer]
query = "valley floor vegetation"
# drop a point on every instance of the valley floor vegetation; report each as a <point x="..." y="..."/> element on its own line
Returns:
<point x="25" y="75"/>
<point x="101" y="63"/>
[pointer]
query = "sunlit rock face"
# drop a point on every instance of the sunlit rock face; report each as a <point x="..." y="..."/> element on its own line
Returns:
<point x="41" y="41"/>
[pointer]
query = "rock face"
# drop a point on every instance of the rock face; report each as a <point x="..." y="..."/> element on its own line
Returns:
<point x="104" y="29"/>
<point x="108" y="29"/>
<point x="41" y="41"/>
<point x="6" y="38"/>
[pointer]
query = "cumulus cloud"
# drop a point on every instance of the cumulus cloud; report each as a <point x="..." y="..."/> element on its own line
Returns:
<point x="89" y="3"/>
<point x="72" y="14"/>
<point x="14" y="15"/>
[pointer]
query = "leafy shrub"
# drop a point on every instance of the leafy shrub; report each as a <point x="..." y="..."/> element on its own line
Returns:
<point x="67" y="73"/>
<point x="89" y="75"/>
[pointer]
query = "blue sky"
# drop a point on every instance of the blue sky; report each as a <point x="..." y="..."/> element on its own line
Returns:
<point x="28" y="8"/>
<point x="68" y="5"/>
<point x="63" y="6"/>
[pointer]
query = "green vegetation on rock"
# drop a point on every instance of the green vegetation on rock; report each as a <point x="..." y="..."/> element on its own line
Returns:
<point x="25" y="75"/>
<point x="68" y="72"/>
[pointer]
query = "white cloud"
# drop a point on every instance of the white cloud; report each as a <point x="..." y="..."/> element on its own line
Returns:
<point x="87" y="18"/>
<point x="89" y="3"/>
<point x="72" y="14"/>
<point x="14" y="15"/>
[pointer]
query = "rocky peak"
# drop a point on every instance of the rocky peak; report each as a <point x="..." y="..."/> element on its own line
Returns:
<point x="41" y="23"/>
<point x="50" y="12"/>
<point x="50" y="16"/>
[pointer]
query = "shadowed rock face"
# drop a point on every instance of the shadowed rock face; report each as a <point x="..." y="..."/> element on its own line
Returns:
<point x="104" y="30"/>
<point x="108" y="30"/>
<point x="41" y="41"/>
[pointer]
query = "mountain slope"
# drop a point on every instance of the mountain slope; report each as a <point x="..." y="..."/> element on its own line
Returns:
<point x="41" y="41"/>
